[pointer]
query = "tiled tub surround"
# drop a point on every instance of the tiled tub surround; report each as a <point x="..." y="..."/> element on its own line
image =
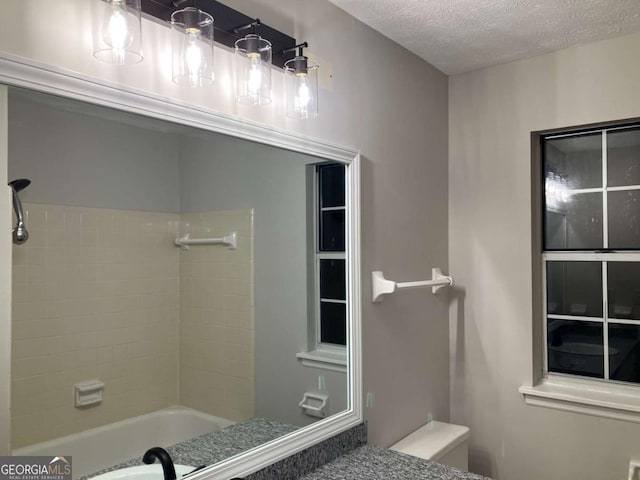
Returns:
<point x="217" y="374"/>
<point x="96" y="294"/>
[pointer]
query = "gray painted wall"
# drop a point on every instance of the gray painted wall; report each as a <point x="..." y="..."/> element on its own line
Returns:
<point x="492" y="113"/>
<point x="90" y="157"/>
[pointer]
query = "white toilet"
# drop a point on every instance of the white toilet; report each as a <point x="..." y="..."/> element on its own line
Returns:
<point x="439" y="442"/>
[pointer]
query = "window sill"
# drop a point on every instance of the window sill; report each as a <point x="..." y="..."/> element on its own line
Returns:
<point x="326" y="360"/>
<point x="619" y="402"/>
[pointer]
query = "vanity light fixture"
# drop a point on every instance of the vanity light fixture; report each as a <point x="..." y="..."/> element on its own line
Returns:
<point x="301" y="85"/>
<point x="117" y="32"/>
<point x="192" y="47"/>
<point x="118" y="39"/>
<point x="252" y="66"/>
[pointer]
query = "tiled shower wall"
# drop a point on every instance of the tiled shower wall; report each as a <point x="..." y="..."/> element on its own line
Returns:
<point x="216" y="317"/>
<point x="96" y="294"/>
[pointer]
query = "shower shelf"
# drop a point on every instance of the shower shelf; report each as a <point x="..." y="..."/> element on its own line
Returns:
<point x="381" y="286"/>
<point x="230" y="240"/>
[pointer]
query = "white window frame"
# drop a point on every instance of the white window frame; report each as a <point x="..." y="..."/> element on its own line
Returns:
<point x="594" y="396"/>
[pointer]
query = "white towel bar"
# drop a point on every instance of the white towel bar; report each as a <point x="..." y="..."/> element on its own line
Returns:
<point x="231" y="240"/>
<point x="381" y="286"/>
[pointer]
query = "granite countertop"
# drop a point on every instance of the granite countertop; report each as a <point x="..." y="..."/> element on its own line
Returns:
<point x="366" y="462"/>
<point x="375" y="463"/>
<point x="214" y="447"/>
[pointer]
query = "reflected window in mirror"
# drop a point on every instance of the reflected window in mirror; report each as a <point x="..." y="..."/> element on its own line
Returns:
<point x="327" y="280"/>
<point x="330" y="258"/>
<point x="590" y="190"/>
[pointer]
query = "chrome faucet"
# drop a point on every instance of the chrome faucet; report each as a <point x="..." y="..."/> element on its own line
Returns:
<point x="165" y="460"/>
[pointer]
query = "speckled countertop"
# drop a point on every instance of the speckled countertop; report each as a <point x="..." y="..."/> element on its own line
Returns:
<point x="214" y="447"/>
<point x="374" y="463"/>
<point x="366" y="462"/>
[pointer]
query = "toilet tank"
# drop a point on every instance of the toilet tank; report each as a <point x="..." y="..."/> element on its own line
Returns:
<point x="439" y="442"/>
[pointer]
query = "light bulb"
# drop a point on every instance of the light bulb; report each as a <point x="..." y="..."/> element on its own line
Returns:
<point x="302" y="98"/>
<point x="301" y="86"/>
<point x="254" y="79"/>
<point x="557" y="190"/>
<point x="551" y="190"/>
<point x="193" y="55"/>
<point x="253" y="73"/>
<point x="115" y="31"/>
<point x="192" y="47"/>
<point x="564" y="190"/>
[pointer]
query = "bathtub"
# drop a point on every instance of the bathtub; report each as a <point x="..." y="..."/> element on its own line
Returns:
<point x="101" y="447"/>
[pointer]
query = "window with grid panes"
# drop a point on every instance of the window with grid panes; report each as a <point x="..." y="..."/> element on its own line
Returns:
<point x="330" y="257"/>
<point x="591" y="253"/>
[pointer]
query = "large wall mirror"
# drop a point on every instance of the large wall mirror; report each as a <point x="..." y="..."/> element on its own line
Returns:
<point x="240" y="349"/>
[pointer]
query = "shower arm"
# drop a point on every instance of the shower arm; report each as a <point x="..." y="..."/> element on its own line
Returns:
<point x="17" y="207"/>
<point x="19" y="233"/>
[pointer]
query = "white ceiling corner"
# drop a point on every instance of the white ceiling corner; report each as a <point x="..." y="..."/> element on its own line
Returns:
<point x="463" y="35"/>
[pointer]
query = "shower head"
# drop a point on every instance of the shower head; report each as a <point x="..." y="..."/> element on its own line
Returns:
<point x="19" y="233"/>
<point x="20" y="184"/>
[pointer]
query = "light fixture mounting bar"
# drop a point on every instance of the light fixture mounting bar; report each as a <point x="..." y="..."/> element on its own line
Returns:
<point x="226" y="19"/>
<point x="252" y="25"/>
<point x="297" y="47"/>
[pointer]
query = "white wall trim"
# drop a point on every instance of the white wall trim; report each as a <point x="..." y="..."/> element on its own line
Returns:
<point x="325" y="360"/>
<point x="20" y="72"/>
<point x="618" y="402"/>
<point x="5" y="283"/>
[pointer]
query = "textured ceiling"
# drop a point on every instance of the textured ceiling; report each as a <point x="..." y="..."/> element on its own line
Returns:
<point x="458" y="36"/>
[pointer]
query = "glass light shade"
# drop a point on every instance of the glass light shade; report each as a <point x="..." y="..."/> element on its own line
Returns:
<point x="253" y="70"/>
<point x="301" y="88"/>
<point x="192" y="47"/>
<point x="117" y="32"/>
